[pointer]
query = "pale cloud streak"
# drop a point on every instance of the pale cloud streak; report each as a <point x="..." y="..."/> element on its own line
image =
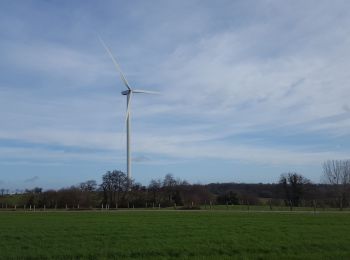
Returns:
<point x="32" y="179"/>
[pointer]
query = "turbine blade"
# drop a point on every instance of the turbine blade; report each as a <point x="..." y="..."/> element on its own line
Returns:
<point x="145" y="91"/>
<point x="115" y="64"/>
<point x="128" y="105"/>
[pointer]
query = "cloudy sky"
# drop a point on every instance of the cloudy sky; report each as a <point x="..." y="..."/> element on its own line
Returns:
<point x="250" y="89"/>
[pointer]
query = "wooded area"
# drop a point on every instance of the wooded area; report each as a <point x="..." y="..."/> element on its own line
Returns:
<point x="115" y="191"/>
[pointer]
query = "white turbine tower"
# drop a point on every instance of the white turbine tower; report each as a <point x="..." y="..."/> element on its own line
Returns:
<point x="128" y="93"/>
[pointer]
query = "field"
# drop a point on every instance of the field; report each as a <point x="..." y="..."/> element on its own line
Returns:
<point x="174" y="234"/>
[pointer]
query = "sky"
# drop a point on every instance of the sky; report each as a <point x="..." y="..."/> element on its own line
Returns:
<point x="249" y="89"/>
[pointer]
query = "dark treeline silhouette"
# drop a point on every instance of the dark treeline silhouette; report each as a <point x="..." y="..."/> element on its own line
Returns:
<point x="115" y="191"/>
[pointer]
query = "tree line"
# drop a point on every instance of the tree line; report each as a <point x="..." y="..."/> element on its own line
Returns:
<point x="116" y="191"/>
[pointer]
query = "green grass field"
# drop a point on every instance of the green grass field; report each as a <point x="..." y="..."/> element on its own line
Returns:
<point x="174" y="234"/>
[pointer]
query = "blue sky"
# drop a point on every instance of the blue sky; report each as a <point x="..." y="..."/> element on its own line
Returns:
<point x="250" y="89"/>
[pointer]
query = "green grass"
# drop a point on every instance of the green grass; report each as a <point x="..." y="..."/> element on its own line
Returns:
<point x="174" y="234"/>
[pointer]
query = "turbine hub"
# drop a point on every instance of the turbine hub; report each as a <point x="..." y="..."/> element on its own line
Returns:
<point x="126" y="92"/>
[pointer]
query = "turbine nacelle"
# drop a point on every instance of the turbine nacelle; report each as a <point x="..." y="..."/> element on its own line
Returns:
<point x="129" y="91"/>
<point x="126" y="92"/>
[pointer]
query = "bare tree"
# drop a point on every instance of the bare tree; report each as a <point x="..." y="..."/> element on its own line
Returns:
<point x="337" y="173"/>
<point x="293" y="185"/>
<point x="195" y="195"/>
<point x="69" y="197"/>
<point x="155" y="187"/>
<point x="88" y="193"/>
<point x="89" y="186"/>
<point x="169" y="181"/>
<point x="115" y="186"/>
<point x="169" y="186"/>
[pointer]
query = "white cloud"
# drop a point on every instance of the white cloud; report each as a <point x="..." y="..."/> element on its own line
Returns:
<point x="285" y="68"/>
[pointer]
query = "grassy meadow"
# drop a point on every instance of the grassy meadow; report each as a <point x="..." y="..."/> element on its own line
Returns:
<point x="174" y="234"/>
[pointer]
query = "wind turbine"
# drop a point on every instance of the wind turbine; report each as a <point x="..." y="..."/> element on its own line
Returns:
<point x="128" y="92"/>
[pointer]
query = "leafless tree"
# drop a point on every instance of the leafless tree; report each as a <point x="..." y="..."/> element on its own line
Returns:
<point x="337" y="173"/>
<point x="169" y="181"/>
<point x="88" y="186"/>
<point x="115" y="186"/>
<point x="154" y="188"/>
<point x="88" y="193"/>
<point x="293" y="185"/>
<point x="169" y="186"/>
<point x="195" y="195"/>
